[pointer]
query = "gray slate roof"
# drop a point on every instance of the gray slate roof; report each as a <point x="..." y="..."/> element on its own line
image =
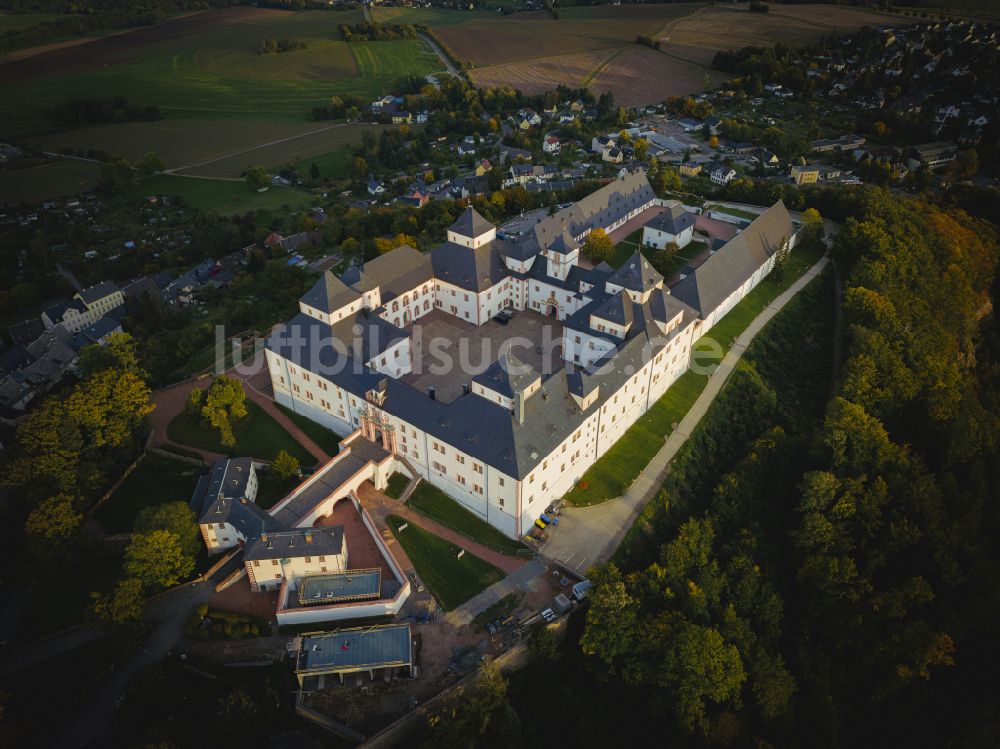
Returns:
<point x="299" y="542"/>
<point x="393" y="273"/>
<point x="636" y="274"/>
<point x="507" y="376"/>
<point x="329" y="294"/>
<point x="674" y="220"/>
<point x="98" y="291"/>
<point x="471" y="224"/>
<point x="472" y="269"/>
<point x="729" y="268"/>
<point x="226" y="501"/>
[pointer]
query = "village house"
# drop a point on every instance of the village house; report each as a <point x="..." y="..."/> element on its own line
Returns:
<point x="720" y="174"/>
<point x="674" y="225"/>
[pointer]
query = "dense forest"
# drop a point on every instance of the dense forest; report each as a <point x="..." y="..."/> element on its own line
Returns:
<point x="820" y="568"/>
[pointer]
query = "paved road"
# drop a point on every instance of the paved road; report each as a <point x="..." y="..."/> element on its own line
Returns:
<point x="521" y="579"/>
<point x="37" y="652"/>
<point x="590" y="535"/>
<point x="441" y="55"/>
<point x="171" y="611"/>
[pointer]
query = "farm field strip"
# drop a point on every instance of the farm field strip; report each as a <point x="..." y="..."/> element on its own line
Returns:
<point x="213" y="148"/>
<point x="54" y="179"/>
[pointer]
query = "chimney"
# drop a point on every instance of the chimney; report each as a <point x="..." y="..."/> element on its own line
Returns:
<point x="309" y="537"/>
<point x="466" y="388"/>
<point x="519" y="406"/>
<point x="263" y="537"/>
<point x="430" y="393"/>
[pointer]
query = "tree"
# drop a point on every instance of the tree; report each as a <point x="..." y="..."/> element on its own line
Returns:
<point x="176" y="518"/>
<point x="285" y="465"/>
<point x="53" y="529"/>
<point x="49" y="447"/>
<point x="663" y="260"/>
<point x="108" y="406"/>
<point x="597" y="247"/>
<point x="542" y="647"/>
<point x="150" y="164"/>
<point x="157" y="559"/>
<point x="224" y="402"/>
<point x="780" y="261"/>
<point x="119" y="351"/>
<point x="123" y="606"/>
<point x="194" y="402"/>
<point x="258" y="177"/>
<point x="713" y="142"/>
<point x="314" y="171"/>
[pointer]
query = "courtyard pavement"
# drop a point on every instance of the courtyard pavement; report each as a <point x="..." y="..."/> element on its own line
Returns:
<point x="590" y="535"/>
<point x="483" y="344"/>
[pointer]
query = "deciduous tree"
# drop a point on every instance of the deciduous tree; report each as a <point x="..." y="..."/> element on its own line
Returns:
<point x="157" y="559"/>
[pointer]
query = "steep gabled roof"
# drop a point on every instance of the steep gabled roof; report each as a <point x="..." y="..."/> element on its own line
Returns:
<point x="617" y="309"/>
<point x="98" y="291"/>
<point x="564" y="244"/>
<point x="471" y="224"/>
<point x="395" y="272"/>
<point x="329" y="294"/>
<point x="674" y="220"/>
<point x="636" y="274"/>
<point x="729" y="268"/>
<point x="471" y="269"/>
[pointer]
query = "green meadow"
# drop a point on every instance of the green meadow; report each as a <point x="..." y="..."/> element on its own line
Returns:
<point x="215" y="71"/>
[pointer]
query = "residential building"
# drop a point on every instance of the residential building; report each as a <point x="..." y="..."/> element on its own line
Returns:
<point x="804" y="175"/>
<point x="675" y="225"/>
<point x="931" y="155"/>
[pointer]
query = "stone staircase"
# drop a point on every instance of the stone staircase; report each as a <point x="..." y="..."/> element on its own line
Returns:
<point x="414" y="482"/>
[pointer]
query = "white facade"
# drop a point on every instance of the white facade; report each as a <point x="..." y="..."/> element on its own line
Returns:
<point x="509" y="503"/>
<point x="659" y="239"/>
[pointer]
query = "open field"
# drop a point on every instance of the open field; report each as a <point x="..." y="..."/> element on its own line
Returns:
<point x="224" y="197"/>
<point x="640" y="75"/>
<point x="393" y="60"/>
<point x="52" y="180"/>
<point x="495" y="39"/>
<point x="720" y="27"/>
<point x="207" y="65"/>
<point x="538" y="76"/>
<point x="595" y="45"/>
<point x="211" y="148"/>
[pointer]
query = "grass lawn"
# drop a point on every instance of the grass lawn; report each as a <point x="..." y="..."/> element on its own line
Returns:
<point x="434" y="503"/>
<point x="327" y="440"/>
<point x="397" y="485"/>
<point x="272" y="488"/>
<point x="627" y="247"/>
<point x="224" y="197"/>
<point x="156" y="480"/>
<point x="617" y="468"/>
<point x="453" y="581"/>
<point x="257" y="435"/>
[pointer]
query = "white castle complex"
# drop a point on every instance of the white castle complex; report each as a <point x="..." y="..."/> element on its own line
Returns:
<point x="509" y="434"/>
